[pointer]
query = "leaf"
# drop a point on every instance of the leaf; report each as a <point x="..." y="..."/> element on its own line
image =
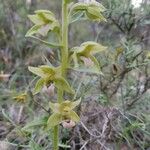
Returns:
<point x="45" y="42"/>
<point x="54" y="120"/>
<point x="74" y="116"/>
<point x="36" y="123"/>
<point x="62" y="84"/>
<point x="32" y="30"/>
<point x="46" y="14"/>
<point x="34" y="146"/>
<point x="39" y="84"/>
<point x="64" y="145"/>
<point x="37" y="71"/>
<point x="37" y="20"/>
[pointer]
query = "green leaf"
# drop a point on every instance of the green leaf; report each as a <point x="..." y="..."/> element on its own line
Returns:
<point x="37" y="71"/>
<point x="37" y="20"/>
<point x="34" y="146"/>
<point x="46" y="14"/>
<point x="54" y="120"/>
<point x="39" y="84"/>
<point x="45" y="42"/>
<point x="33" y="30"/>
<point x="38" y="122"/>
<point x="74" y="116"/>
<point x="62" y="84"/>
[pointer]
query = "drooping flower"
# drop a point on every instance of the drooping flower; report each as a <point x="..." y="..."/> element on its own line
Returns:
<point x="85" y="54"/>
<point x="44" y="21"/>
<point x="50" y="75"/>
<point x="63" y="113"/>
<point x="91" y="9"/>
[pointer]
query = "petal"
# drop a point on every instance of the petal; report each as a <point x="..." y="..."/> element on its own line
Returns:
<point x="49" y="70"/>
<point x="54" y="107"/>
<point x="38" y="86"/>
<point x="74" y="116"/>
<point x="37" y="71"/>
<point x="75" y="103"/>
<point x="54" y="120"/>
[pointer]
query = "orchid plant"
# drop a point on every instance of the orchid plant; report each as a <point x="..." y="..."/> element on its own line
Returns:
<point x="80" y="58"/>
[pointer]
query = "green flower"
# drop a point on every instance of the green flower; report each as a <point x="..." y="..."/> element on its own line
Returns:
<point x="44" y="21"/>
<point x="84" y="54"/>
<point x="63" y="112"/>
<point x="50" y="75"/>
<point x="92" y="10"/>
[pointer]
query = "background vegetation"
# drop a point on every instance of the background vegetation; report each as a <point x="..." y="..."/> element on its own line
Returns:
<point x="115" y="108"/>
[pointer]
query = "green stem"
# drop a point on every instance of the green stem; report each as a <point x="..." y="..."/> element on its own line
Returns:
<point x="56" y="137"/>
<point x="64" y="50"/>
<point x="64" y="64"/>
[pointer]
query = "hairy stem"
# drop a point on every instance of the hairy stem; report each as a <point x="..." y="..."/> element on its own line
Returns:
<point x="64" y="50"/>
<point x="56" y="137"/>
<point x="64" y="64"/>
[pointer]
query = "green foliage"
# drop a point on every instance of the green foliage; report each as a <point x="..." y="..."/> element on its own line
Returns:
<point x="123" y="86"/>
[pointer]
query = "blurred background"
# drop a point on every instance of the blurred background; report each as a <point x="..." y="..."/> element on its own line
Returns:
<point x="115" y="108"/>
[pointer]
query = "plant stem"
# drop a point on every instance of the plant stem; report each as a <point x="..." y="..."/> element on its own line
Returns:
<point x="64" y="64"/>
<point x="56" y="137"/>
<point x="64" y="50"/>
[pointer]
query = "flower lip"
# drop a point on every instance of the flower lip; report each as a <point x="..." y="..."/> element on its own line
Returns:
<point x="68" y="124"/>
